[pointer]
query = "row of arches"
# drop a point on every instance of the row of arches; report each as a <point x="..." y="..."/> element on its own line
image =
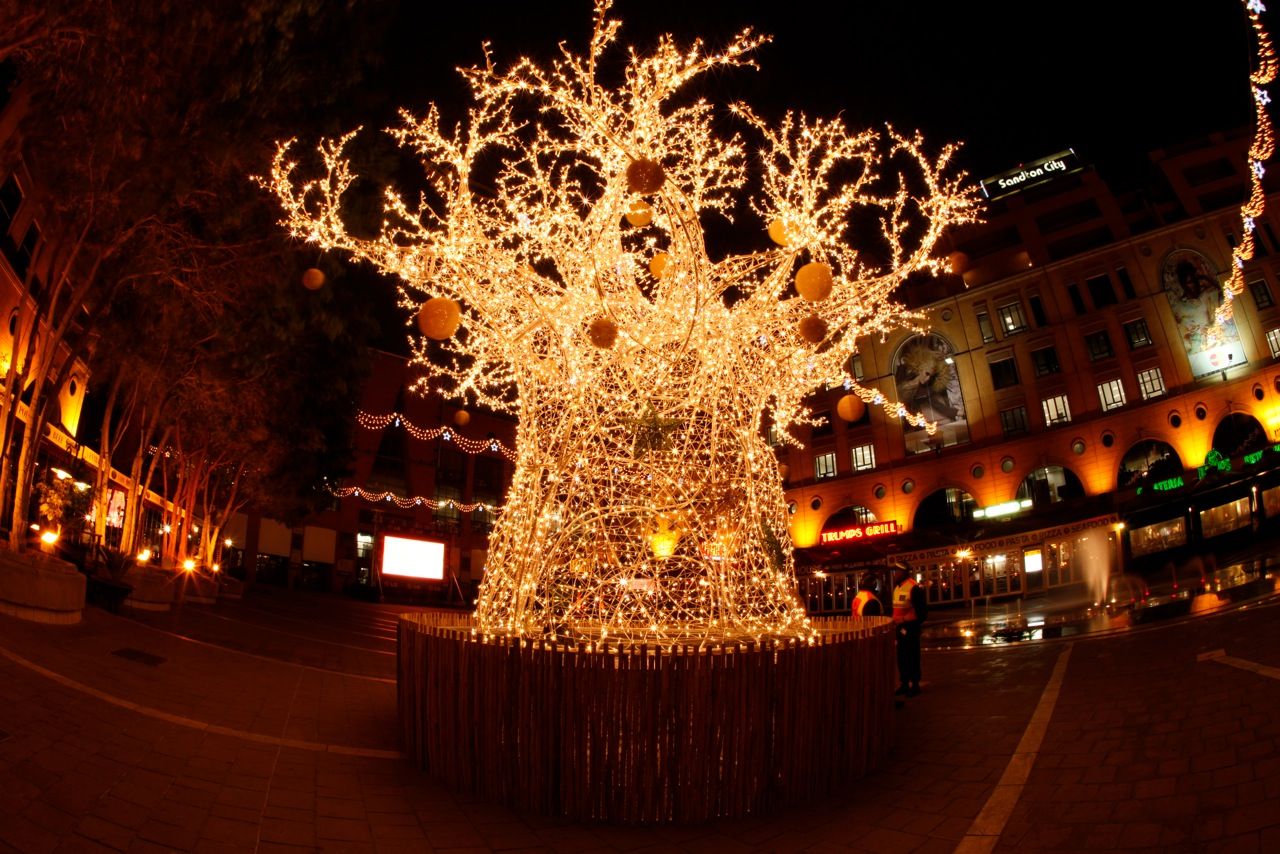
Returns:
<point x="1150" y="462"/>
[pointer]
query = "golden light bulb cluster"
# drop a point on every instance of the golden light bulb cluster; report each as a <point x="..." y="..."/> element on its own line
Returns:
<point x="1260" y="151"/>
<point x="645" y="503"/>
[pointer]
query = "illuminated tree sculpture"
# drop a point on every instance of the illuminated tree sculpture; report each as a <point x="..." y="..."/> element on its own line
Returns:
<point x="559" y="255"/>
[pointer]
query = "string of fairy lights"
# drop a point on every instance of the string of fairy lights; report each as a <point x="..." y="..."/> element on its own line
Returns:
<point x="429" y="434"/>
<point x="577" y="292"/>
<point x="1260" y="151"/>
<point x="409" y="502"/>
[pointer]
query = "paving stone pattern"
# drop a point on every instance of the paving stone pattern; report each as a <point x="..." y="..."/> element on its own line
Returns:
<point x="1147" y="749"/>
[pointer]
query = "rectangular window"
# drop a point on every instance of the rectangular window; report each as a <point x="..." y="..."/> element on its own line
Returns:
<point x="1077" y="301"/>
<point x="1126" y="283"/>
<point x="1056" y="410"/>
<point x="1261" y="293"/>
<point x="824" y="466"/>
<point x="20" y="254"/>
<point x="1137" y="333"/>
<point x="855" y="366"/>
<point x="1046" y="361"/>
<point x="984" y="326"/>
<point x="448" y="496"/>
<point x="364" y="545"/>
<point x="1011" y="320"/>
<point x="1111" y="393"/>
<point x="10" y="201"/>
<point x="1014" y="421"/>
<point x="824" y="427"/>
<point x="1273" y="341"/>
<point x="1099" y="344"/>
<point x="1037" y="310"/>
<point x="1101" y="291"/>
<point x="864" y="457"/>
<point x="1151" y="383"/>
<point x="1004" y="373"/>
<point x="773" y="439"/>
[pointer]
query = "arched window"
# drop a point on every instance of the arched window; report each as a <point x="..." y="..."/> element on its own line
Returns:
<point x="1147" y="463"/>
<point x="945" y="507"/>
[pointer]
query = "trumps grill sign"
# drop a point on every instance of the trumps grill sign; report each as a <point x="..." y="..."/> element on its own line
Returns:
<point x="859" y="532"/>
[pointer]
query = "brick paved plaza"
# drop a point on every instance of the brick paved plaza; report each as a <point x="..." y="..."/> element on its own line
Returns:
<point x="269" y="725"/>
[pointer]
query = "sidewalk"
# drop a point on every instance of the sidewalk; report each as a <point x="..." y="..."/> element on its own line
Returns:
<point x="1147" y="748"/>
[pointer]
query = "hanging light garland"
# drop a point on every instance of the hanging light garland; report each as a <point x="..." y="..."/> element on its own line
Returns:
<point x="578" y="293"/>
<point x="410" y="502"/>
<point x="1260" y="151"/>
<point x="427" y="434"/>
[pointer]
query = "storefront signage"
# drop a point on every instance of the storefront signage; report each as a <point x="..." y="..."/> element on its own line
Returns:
<point x="1168" y="484"/>
<point x="859" y="532"/>
<point x="1014" y="540"/>
<point x="1031" y="174"/>
<point x="1215" y="460"/>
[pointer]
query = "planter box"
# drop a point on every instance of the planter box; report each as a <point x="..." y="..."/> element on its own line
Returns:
<point x="152" y="590"/>
<point x="40" y="588"/>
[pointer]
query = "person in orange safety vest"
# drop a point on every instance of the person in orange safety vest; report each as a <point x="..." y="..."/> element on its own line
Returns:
<point x="866" y="603"/>
<point x="910" y="607"/>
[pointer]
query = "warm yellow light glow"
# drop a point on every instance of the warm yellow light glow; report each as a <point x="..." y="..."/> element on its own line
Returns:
<point x="227" y="542"/>
<point x="49" y="537"/>
<point x="1260" y="151"/>
<point x="144" y="556"/>
<point x="188" y="564"/>
<point x="964" y="554"/>
<point x="641" y="388"/>
<point x="216" y="567"/>
<point x="60" y="474"/>
<point x="81" y="486"/>
<point x="166" y="529"/>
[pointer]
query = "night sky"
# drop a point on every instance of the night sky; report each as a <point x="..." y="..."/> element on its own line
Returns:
<point x="1110" y="78"/>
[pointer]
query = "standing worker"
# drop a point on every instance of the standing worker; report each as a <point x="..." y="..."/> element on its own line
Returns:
<point x="910" y="607"/>
<point x="866" y="603"/>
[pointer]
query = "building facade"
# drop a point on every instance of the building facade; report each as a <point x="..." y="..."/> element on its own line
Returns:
<point x="1077" y="389"/>
<point x="423" y="470"/>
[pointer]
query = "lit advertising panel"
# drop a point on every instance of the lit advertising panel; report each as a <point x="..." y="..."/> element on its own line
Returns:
<point x="404" y="557"/>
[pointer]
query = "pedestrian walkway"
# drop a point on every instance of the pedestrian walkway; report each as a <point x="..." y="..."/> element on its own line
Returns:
<point x="265" y="726"/>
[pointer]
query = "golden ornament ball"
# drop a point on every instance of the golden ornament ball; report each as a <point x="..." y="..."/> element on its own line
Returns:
<point x="640" y="213"/>
<point x="813" y="329"/>
<point x="813" y="281"/>
<point x="660" y="265"/>
<point x="959" y="262"/>
<point x="462" y="418"/>
<point x="783" y="470"/>
<point x="313" y="279"/>
<point x="603" y="332"/>
<point x="780" y="233"/>
<point x="645" y="176"/>
<point x="851" y="408"/>
<point x="439" y="318"/>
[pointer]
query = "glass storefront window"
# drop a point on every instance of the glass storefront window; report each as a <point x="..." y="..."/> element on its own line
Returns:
<point x="1158" y="537"/>
<point x="1225" y="517"/>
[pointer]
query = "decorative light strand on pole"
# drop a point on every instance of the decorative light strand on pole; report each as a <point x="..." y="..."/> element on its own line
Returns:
<point x="1260" y="151"/>
<point x="578" y="293"/>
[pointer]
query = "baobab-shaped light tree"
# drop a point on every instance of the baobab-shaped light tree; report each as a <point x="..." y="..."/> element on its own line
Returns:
<point x="559" y="255"/>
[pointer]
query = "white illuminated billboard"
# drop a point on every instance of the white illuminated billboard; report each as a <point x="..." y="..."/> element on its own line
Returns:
<point x="408" y="558"/>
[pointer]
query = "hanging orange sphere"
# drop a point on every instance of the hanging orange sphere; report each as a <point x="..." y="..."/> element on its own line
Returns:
<point x="462" y="418"/>
<point x="780" y="233"/>
<point x="813" y="281"/>
<point x="783" y="470"/>
<point x="640" y="213"/>
<point x="439" y="318"/>
<point x="603" y="332"/>
<point x="813" y="329"/>
<point x="660" y="265"/>
<point x="645" y="176"/>
<point x="851" y="408"/>
<point x="313" y="279"/>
